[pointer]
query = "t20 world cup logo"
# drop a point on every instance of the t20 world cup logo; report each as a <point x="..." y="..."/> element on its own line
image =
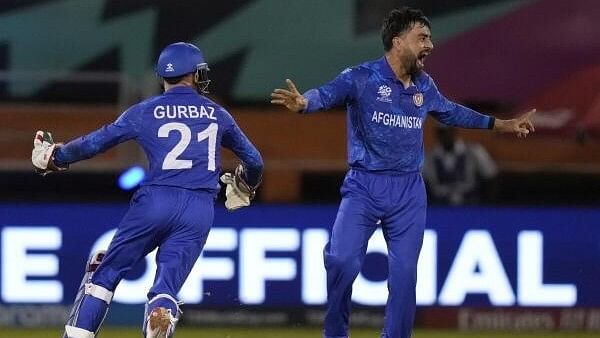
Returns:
<point x="384" y="93"/>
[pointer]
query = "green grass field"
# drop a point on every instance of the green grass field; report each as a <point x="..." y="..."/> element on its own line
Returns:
<point x="288" y="333"/>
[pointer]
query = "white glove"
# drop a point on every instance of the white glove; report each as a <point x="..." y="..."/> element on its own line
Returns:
<point x="236" y="198"/>
<point x="42" y="153"/>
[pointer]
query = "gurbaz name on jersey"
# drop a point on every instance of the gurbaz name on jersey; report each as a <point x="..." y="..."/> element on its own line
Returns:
<point x="399" y="121"/>
<point x="188" y="112"/>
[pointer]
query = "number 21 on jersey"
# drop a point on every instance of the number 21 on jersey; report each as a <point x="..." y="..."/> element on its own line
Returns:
<point x="171" y="161"/>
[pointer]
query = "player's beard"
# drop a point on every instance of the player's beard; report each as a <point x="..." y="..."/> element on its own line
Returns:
<point x="410" y="64"/>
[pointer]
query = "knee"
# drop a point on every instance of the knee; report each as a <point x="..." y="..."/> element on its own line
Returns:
<point x="106" y="278"/>
<point x="99" y="292"/>
<point x="404" y="271"/>
<point x="342" y="262"/>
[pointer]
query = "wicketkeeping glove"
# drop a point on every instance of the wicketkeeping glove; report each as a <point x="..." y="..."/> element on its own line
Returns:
<point x="238" y="193"/>
<point x="42" y="155"/>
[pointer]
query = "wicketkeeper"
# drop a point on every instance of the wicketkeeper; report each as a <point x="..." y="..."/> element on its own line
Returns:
<point x="181" y="132"/>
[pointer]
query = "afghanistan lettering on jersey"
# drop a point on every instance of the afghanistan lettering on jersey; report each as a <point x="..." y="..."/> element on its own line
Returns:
<point x="398" y="121"/>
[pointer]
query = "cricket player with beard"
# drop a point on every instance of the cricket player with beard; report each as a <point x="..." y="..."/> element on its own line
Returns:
<point x="181" y="132"/>
<point x="387" y="101"/>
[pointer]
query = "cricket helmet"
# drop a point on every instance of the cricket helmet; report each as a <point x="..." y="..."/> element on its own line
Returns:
<point x="181" y="58"/>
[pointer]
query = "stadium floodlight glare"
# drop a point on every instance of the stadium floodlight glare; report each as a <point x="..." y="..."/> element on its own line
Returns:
<point x="131" y="177"/>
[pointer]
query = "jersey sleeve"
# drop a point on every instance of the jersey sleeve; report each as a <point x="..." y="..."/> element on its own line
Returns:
<point x="126" y="127"/>
<point x="235" y="140"/>
<point x="335" y="93"/>
<point x="457" y="115"/>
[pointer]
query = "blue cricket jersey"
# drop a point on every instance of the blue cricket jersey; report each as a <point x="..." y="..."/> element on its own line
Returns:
<point x="181" y="133"/>
<point x="385" y="120"/>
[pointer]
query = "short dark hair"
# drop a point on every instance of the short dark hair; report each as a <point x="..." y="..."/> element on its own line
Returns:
<point x="174" y="80"/>
<point x="398" y="21"/>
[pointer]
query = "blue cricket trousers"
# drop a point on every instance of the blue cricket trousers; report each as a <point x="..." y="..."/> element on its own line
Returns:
<point x="399" y="201"/>
<point x="175" y="220"/>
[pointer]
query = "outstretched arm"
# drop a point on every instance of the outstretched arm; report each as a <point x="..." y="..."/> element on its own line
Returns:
<point x="454" y="114"/>
<point x="334" y="93"/>
<point x="87" y="146"/>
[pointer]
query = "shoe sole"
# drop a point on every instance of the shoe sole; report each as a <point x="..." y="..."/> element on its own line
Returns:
<point x="159" y="322"/>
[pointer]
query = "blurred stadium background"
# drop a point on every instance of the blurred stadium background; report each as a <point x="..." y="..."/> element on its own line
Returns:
<point x="523" y="260"/>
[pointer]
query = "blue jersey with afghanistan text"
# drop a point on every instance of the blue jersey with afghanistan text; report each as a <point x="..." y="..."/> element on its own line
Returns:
<point x="385" y="120"/>
<point x="181" y="133"/>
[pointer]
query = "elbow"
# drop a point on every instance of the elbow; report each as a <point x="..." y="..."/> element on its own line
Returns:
<point x="259" y="164"/>
<point x="254" y="164"/>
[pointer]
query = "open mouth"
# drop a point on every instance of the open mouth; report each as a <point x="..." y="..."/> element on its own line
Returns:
<point x="421" y="59"/>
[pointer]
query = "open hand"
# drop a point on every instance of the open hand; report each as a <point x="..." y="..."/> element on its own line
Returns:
<point x="290" y="98"/>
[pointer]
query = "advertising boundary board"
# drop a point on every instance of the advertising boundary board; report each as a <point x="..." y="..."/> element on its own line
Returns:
<point x="486" y="267"/>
